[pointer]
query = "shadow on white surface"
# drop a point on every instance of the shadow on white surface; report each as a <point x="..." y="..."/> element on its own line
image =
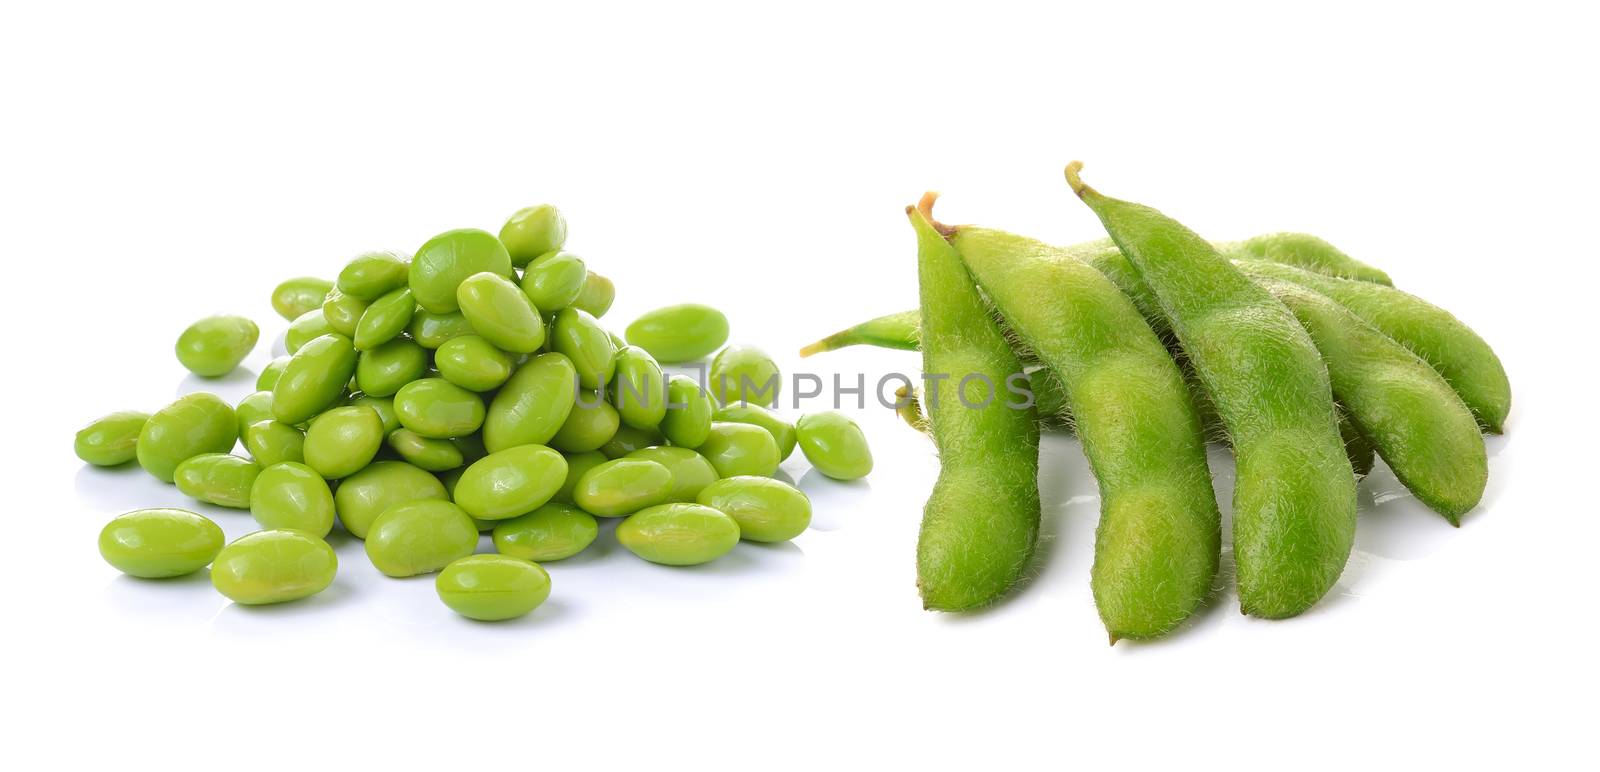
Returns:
<point x="241" y="381"/>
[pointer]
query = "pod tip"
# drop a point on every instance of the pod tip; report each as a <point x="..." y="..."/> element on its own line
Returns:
<point x="1075" y="181"/>
<point x="813" y="348"/>
<point x="1113" y="637"/>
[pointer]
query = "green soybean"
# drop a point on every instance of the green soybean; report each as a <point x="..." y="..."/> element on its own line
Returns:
<point x="215" y="345"/>
<point x="274" y="566"/>
<point x="679" y="534"/>
<point x="622" y="486"/>
<point x="343" y="312"/>
<point x="555" y="531"/>
<point x="446" y="260"/>
<point x="270" y="374"/>
<point x="532" y="405"/>
<point x="577" y="465"/>
<point x="501" y="313"/>
<point x="373" y="274"/>
<point x="365" y="495"/>
<point x="420" y="537"/>
<point x="291" y="495"/>
<point x="682" y="333"/>
<point x="745" y="374"/>
<point x="160" y="543"/>
<point x="254" y="408"/>
<point x="981" y="522"/>
<point x="580" y="338"/>
<point x="782" y="431"/>
<point x="597" y="295"/>
<point x="110" y="439"/>
<point x="217" y="478"/>
<point x="533" y="231"/>
<point x="639" y="389"/>
<point x="492" y="588"/>
<point x="1159" y="539"/>
<point x="314" y="379"/>
<point x="1423" y="431"/>
<point x="272" y="442"/>
<point x="689" y="413"/>
<point x="628" y="439"/>
<point x="435" y="407"/>
<point x="691" y="472"/>
<point x="342" y="441"/>
<point x="835" y="445"/>
<point x="386" y="318"/>
<point x="897" y="331"/>
<point x="193" y="424"/>
<point x="1294" y="498"/>
<point x="512" y="482"/>
<point x="1303" y="250"/>
<point x="431" y="330"/>
<point x="473" y="363"/>
<point x="589" y="425"/>
<point x="766" y="510"/>
<point x="736" y="449"/>
<point x="296" y="296"/>
<point x="383" y="406"/>
<point x="305" y="328"/>
<point x="554" y="280"/>
<point x="430" y="453"/>
<point x="382" y="370"/>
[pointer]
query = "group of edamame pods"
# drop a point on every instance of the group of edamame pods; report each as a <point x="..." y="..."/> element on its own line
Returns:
<point x="469" y="388"/>
<point x="1147" y="345"/>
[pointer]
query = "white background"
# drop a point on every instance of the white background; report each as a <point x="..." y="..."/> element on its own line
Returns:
<point x="160" y="162"/>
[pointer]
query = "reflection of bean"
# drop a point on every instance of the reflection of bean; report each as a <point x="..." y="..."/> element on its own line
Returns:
<point x="982" y="519"/>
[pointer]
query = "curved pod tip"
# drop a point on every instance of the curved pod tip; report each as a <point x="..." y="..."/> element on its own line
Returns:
<point x="1077" y="182"/>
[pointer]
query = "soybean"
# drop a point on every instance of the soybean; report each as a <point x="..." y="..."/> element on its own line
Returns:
<point x="492" y="588"/>
<point x="193" y="424"/>
<point x="689" y="413"/>
<point x="597" y="295"/>
<point x="435" y="407"/>
<point x="473" y="363"/>
<point x="343" y="440"/>
<point x="628" y="439"/>
<point x="371" y="275"/>
<point x="217" y="478"/>
<point x="577" y="465"/>
<point x="581" y="339"/>
<point x="215" y="345"/>
<point x="365" y="495"/>
<point x="430" y="453"/>
<point x="682" y="333"/>
<point x="270" y="374"/>
<point x="254" y="408"/>
<point x="835" y="445"/>
<point x="501" y="313"/>
<point x="554" y="280"/>
<point x="736" y="449"/>
<point x="533" y="231"/>
<point x="639" y="389"/>
<point x="420" y="537"/>
<point x="305" y="328"/>
<point x="160" y="543"/>
<point x="590" y="424"/>
<point x="431" y="330"/>
<point x="446" y="260"/>
<point x="511" y="482"/>
<point x="272" y="442"/>
<point x="387" y="317"/>
<point x="382" y="370"/>
<point x="622" y="486"/>
<point x="679" y="534"/>
<point x="110" y="439"/>
<point x="782" y="431"/>
<point x="291" y="495"/>
<point x="296" y="296"/>
<point x="745" y="374"/>
<point x="343" y="312"/>
<point x="383" y="406"/>
<point x="274" y="566"/>
<point x="691" y="472"/>
<point x="766" y="510"/>
<point x="555" y="531"/>
<point x="532" y="405"/>
<point x="314" y="379"/>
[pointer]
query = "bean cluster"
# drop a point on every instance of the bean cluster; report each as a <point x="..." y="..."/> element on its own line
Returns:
<point x="468" y="388"/>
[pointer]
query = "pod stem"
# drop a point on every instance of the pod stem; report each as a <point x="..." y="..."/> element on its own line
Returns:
<point x="925" y="206"/>
<point x="1077" y="182"/>
<point x="826" y="344"/>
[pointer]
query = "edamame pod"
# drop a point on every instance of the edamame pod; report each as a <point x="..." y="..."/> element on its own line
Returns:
<point x="533" y="404"/>
<point x="501" y="313"/>
<point x="160" y="543"/>
<point x="897" y="331"/>
<point x="299" y="295"/>
<point x="446" y="260"/>
<point x="1303" y="250"/>
<point x="193" y="424"/>
<point x="274" y="567"/>
<point x="679" y="534"/>
<point x="215" y="345"/>
<point x="111" y="439"/>
<point x="682" y="333"/>
<point x="291" y="495"/>
<point x="314" y="379"/>
<point x="512" y="482"/>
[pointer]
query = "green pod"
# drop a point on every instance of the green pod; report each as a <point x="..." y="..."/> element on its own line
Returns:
<point x="382" y="370"/>
<point x="682" y="333"/>
<point x="343" y="312"/>
<point x="305" y="328"/>
<point x="590" y="424"/>
<point x="512" y="482"/>
<point x="691" y="472"/>
<point x="314" y="379"/>
<point x="679" y="534"/>
<point x="492" y="588"/>
<point x="270" y="374"/>
<point x="160" y="543"/>
<point x="580" y="338"/>
<point x="782" y="431"/>
<point x="342" y="441"/>
<point x="1356" y="445"/>
<point x="365" y="495"/>
<point x="533" y="231"/>
<point x="215" y="345"/>
<point x="272" y="442"/>
<point x="473" y="363"/>
<point x="383" y="406"/>
<point x="446" y="260"/>
<point x="254" y="408"/>
<point x="745" y="374"/>
<point x="981" y="521"/>
<point x="897" y="331"/>
<point x="577" y="465"/>
<point x="296" y="296"/>
<point x="430" y="453"/>
<point x="597" y="295"/>
<point x="274" y="566"/>
<point x="291" y="495"/>
<point x="554" y="280"/>
<point x="639" y="389"/>
<point x="623" y="486"/>
<point x="532" y="405"/>
<point x="435" y="407"/>
<point x="372" y="275"/>
<point x="499" y="312"/>
<point x="766" y="510"/>
<point x="384" y="320"/>
<point x="217" y="478"/>
<point x="431" y="330"/>
<point x="687" y="422"/>
<point x="834" y="445"/>
<point x="1303" y="250"/>
<point x="628" y="439"/>
<point x="193" y="424"/>
<point x="420" y="537"/>
<point x="736" y="449"/>
<point x="110" y="439"/>
<point x="555" y="531"/>
<point x="1294" y="504"/>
